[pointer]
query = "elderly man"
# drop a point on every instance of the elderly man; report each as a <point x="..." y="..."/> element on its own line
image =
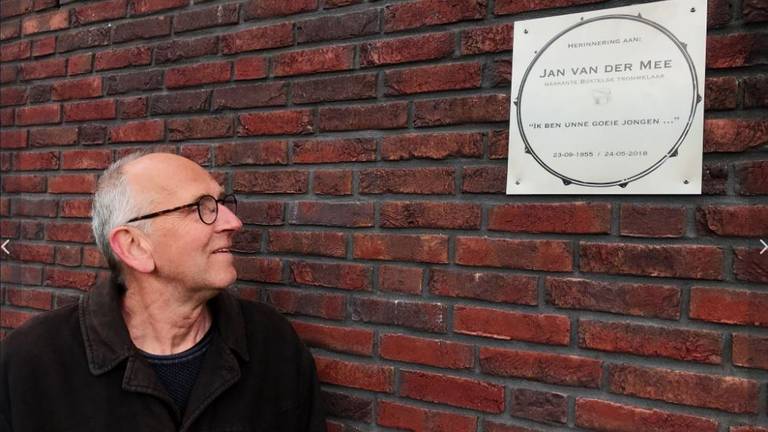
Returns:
<point x="163" y="347"/>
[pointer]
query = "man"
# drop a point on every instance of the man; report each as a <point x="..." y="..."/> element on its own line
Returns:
<point x="162" y="347"/>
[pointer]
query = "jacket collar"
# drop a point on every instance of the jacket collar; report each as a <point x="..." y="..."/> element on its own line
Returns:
<point x="107" y="341"/>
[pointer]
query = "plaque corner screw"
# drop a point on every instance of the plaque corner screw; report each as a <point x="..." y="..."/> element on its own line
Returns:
<point x="685" y="182"/>
<point x="693" y="9"/>
<point x="525" y="31"/>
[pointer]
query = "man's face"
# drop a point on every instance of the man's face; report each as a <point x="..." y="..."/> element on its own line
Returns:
<point x="188" y="253"/>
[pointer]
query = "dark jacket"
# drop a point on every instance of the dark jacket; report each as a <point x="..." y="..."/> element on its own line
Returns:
<point x="76" y="369"/>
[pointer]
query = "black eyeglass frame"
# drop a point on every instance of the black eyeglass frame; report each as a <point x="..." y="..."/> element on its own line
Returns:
<point x="192" y="204"/>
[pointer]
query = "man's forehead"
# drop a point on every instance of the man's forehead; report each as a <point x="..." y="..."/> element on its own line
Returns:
<point x="160" y="177"/>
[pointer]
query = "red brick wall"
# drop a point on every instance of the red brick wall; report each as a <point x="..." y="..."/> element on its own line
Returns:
<point x="367" y="143"/>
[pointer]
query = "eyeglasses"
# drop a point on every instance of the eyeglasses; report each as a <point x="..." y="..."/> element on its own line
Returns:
<point x="207" y="208"/>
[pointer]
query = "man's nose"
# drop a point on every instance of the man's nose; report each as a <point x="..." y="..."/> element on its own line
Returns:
<point x="228" y="220"/>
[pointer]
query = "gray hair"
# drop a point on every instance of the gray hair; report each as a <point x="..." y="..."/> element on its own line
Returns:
<point x="113" y="205"/>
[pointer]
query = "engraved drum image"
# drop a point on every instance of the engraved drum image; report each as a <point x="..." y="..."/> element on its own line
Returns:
<point x="611" y="114"/>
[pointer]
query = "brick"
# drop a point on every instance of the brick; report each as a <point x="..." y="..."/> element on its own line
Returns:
<point x="73" y="183"/>
<point x="8" y="228"/>
<point x="76" y="208"/>
<point x="7" y="117"/>
<point x="68" y="256"/>
<point x="78" y="232"/>
<point x="23" y="183"/>
<point x="248" y="68"/>
<point x="124" y="57"/>
<point x="749" y="265"/>
<point x="14" y="319"/>
<point x="430" y="352"/>
<point x="656" y="301"/>
<point x="30" y="161"/>
<point x="396" y="247"/>
<point x="99" y="11"/>
<point x="734" y="135"/>
<point x="143" y="7"/>
<point x="198" y="74"/>
<point x="336" y="338"/>
<point x="433" y="78"/>
<point x="92" y="134"/>
<point x="199" y="127"/>
<point x="180" y="102"/>
<point x="37" y="207"/>
<point x="637" y="220"/>
<point x="259" y="269"/>
<point x="752" y="178"/>
<point x="275" y="8"/>
<point x="754" y="11"/>
<point x="36" y="299"/>
<point x="271" y="182"/>
<point x="316" y="60"/>
<point x="546" y="255"/>
<point x="137" y="131"/>
<point x="497" y="427"/>
<point x="407" y="181"/>
<point x="132" y="108"/>
<point x="88" y="38"/>
<point x="750" y="351"/>
<point x="681" y="261"/>
<point x="147" y="28"/>
<point x="8" y="74"/>
<point x="383" y="116"/>
<point x="737" y="221"/>
<point x="32" y="253"/>
<point x="40" y="93"/>
<point x="43" y="69"/>
<point x="39" y="23"/>
<point x="214" y="16"/>
<point x="13" y="96"/>
<point x="256" y="153"/>
<point x="727" y="306"/>
<point x="408" y="49"/>
<point x="735" y="50"/>
<point x="714" y="179"/>
<point x="431" y="146"/>
<point x="79" y="64"/>
<point x="43" y="46"/>
<point x="335" y="88"/>
<point x="199" y="153"/>
<point x="332" y="182"/>
<point x="507" y="7"/>
<point x="469" y="109"/>
<point x="15" y="51"/>
<point x="10" y="29"/>
<point x="250" y="96"/>
<point x="308" y="243"/>
<point x="353" y="277"/>
<point x="651" y="341"/>
<point x="494" y="287"/>
<point x="86" y="159"/>
<point x="720" y="93"/>
<point x="77" y="89"/>
<point x="408" y="417"/>
<point x="338" y="27"/>
<point x="32" y="230"/>
<point x="346" y="406"/>
<point x="61" y="278"/>
<point x="538" y="405"/>
<point x="403" y="214"/>
<point x="259" y="38"/>
<point x="38" y="114"/>
<point x="497" y="38"/>
<point x="459" y="392"/>
<point x="541" y="366"/>
<point x="334" y="150"/>
<point x="747" y="428"/>
<point x="601" y="415"/>
<point x="332" y="214"/>
<point x="735" y="395"/>
<point x="102" y="109"/>
<point x="506" y="325"/>
<point x="182" y="49"/>
<point x="399" y="279"/>
<point x="285" y="122"/>
<point x="14" y="138"/>
<point x="328" y="306"/>
<point x="755" y="90"/>
<point x="18" y="274"/>
<point x="571" y="218"/>
<point x="15" y="7"/>
<point x="355" y="375"/>
<point x="430" y="317"/>
<point x="261" y="212"/>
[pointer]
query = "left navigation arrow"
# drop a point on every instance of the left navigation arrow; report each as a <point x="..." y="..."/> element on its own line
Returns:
<point x="5" y="243"/>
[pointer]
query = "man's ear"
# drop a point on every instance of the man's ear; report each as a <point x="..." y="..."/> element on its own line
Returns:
<point x="132" y="248"/>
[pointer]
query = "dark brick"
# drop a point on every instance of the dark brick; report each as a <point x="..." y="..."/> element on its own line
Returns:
<point x="338" y="27"/>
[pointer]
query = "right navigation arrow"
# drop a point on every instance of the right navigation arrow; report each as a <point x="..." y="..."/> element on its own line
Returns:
<point x="765" y="246"/>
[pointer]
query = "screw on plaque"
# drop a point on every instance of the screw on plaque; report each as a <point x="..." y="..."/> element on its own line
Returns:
<point x="674" y="154"/>
<point x="517" y="182"/>
<point x="566" y="182"/>
<point x="698" y="98"/>
<point x="515" y="101"/>
<point x="685" y="182"/>
<point x="693" y="10"/>
<point x="525" y="31"/>
<point x="623" y="185"/>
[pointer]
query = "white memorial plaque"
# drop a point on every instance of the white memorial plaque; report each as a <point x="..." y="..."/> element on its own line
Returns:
<point x="609" y="102"/>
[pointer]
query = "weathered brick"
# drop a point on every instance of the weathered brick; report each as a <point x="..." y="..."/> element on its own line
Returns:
<point x="507" y="325"/>
<point x="407" y="49"/>
<point x="755" y="90"/>
<point x="261" y="212"/>
<point x="40" y="69"/>
<point x="102" y="109"/>
<point x="727" y="306"/>
<point x="400" y="279"/>
<point x="735" y="50"/>
<point x="38" y="23"/>
<point x="383" y="116"/>
<point x="470" y="109"/>
<point x="542" y="366"/>
<point x="123" y="57"/>
<point x="92" y="134"/>
<point x="406" y="417"/>
<point x="433" y="78"/>
<point x="355" y="277"/>
<point x="735" y="395"/>
<point x="338" y="27"/>
<point x="601" y="415"/>
<point x="407" y="180"/>
<point x="364" y="376"/>
<point x="422" y="13"/>
<point x="336" y="88"/>
<point x="346" y="406"/>
<point x="88" y="38"/>
<point x="730" y="220"/>
<point x="546" y="255"/>
<point x="481" y="40"/>
<point x="349" y="214"/>
<point x="720" y="93"/>
<point x="752" y="178"/>
<point x="495" y="287"/>
<point x="572" y="218"/>
<point x="250" y="96"/>
<point x="38" y="114"/>
<point x="40" y="93"/>
<point x="432" y="146"/>
<point x="315" y="60"/>
<point x="271" y="182"/>
<point x="205" y="18"/>
<point x="401" y="247"/>
<point x="750" y="351"/>
<point x="460" y="392"/>
<point x="539" y="406"/>
<point x="142" y="7"/>
<point x="308" y="243"/>
<point x="430" y="352"/>
<point x="683" y="261"/>
<point x="328" y="306"/>
<point x="749" y="265"/>
<point x="100" y="11"/>
<point x="403" y="214"/>
<point x="259" y="269"/>
<point x="180" y="102"/>
<point x="334" y="150"/>
<point x="423" y="316"/>
<point x="286" y="122"/>
<point x="256" y="153"/>
<point x="137" y="131"/>
<point x="200" y="127"/>
<point x="182" y="49"/>
<point x="259" y="38"/>
<point x="637" y="220"/>
<point x="332" y="182"/>
<point x="336" y="338"/>
<point x="734" y="135"/>
<point x="147" y="28"/>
